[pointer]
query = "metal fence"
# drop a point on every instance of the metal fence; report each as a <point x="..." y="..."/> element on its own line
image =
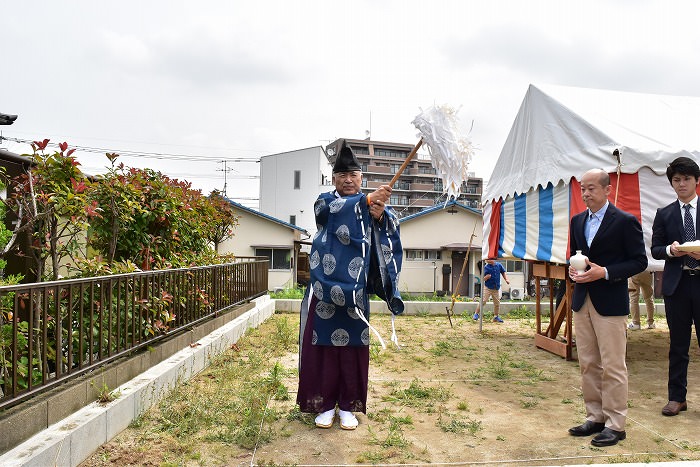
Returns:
<point x="53" y="331"/>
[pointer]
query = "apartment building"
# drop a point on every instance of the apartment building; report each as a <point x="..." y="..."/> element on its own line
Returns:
<point x="417" y="188"/>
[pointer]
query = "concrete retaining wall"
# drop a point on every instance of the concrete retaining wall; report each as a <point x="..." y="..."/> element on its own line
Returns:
<point x="438" y="308"/>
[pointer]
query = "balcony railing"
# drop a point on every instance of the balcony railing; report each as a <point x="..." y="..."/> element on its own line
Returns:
<point x="54" y="331"/>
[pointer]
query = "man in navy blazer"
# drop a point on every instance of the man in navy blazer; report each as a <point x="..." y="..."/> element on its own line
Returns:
<point x="675" y="224"/>
<point x="614" y="244"/>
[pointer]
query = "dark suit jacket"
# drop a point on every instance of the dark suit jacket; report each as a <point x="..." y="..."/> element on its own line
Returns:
<point x="619" y="246"/>
<point x="667" y="228"/>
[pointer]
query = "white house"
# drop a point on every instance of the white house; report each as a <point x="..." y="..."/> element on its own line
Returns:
<point x="435" y="242"/>
<point x="259" y="234"/>
<point x="290" y="183"/>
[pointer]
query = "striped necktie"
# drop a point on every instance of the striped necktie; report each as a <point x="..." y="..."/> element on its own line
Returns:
<point x="689" y="231"/>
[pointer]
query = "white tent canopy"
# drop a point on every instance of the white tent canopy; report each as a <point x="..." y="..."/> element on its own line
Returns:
<point x="559" y="132"/>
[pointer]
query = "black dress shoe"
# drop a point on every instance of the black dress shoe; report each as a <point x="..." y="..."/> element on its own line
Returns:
<point x="608" y="437"/>
<point x="587" y="428"/>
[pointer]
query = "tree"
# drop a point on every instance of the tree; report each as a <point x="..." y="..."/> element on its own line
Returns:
<point x="149" y="218"/>
<point x="222" y="219"/>
<point x="50" y="204"/>
<point x="5" y="233"/>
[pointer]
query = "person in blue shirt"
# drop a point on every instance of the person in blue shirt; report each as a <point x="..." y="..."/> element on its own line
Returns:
<point x="492" y="287"/>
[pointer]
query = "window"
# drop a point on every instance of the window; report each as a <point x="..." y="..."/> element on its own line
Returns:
<point x="513" y="266"/>
<point x="293" y="220"/>
<point x="413" y="255"/>
<point x="390" y="153"/>
<point x="395" y="168"/>
<point x="422" y="255"/>
<point x="297" y="179"/>
<point x="280" y="258"/>
<point x="432" y="255"/>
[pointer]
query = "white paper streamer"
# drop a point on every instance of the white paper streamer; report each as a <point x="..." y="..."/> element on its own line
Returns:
<point x="450" y="153"/>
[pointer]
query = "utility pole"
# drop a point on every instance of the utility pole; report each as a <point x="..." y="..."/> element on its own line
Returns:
<point x="225" y="170"/>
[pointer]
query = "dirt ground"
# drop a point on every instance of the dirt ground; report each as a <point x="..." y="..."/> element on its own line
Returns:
<point x="457" y="396"/>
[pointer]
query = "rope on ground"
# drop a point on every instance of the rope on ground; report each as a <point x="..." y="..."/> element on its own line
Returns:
<point x="262" y="423"/>
<point x="656" y="433"/>
<point x="504" y="461"/>
<point x="257" y="438"/>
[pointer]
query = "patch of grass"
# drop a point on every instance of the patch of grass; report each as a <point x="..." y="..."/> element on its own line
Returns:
<point x="521" y="312"/>
<point x="418" y="396"/>
<point x="394" y="436"/>
<point x="104" y="394"/>
<point x="425" y="298"/>
<point x="286" y="335"/>
<point x="273" y="385"/>
<point x="379" y="416"/>
<point x="528" y="404"/>
<point x="294" y="293"/>
<point x="295" y="414"/>
<point x="231" y="402"/>
<point x="376" y="354"/>
<point x="499" y="367"/>
<point x="369" y="457"/>
<point x="441" y="348"/>
<point x="459" y="425"/>
<point x="137" y="422"/>
<point x="405" y="420"/>
<point x="537" y="374"/>
<point x="531" y="400"/>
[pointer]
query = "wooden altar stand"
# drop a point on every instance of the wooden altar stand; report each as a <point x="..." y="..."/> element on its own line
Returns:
<point x="549" y="338"/>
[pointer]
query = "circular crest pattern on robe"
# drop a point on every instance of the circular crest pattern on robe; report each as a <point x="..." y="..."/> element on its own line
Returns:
<point x="338" y="259"/>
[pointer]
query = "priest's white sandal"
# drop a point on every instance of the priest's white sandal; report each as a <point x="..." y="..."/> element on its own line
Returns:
<point x="325" y="419"/>
<point x="348" y="421"/>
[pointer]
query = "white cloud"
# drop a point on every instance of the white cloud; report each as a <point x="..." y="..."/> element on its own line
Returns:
<point x="240" y="79"/>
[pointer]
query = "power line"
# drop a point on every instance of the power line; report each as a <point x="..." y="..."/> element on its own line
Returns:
<point x="144" y="154"/>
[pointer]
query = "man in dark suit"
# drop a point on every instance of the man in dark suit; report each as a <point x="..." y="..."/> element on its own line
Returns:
<point x="673" y="225"/>
<point x="614" y="244"/>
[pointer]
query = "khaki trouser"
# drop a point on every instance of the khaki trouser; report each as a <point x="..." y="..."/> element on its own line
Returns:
<point x="641" y="281"/>
<point x="601" y="344"/>
<point x="494" y="294"/>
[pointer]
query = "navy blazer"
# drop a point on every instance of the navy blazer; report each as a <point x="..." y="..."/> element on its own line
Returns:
<point x="667" y="228"/>
<point x="619" y="246"/>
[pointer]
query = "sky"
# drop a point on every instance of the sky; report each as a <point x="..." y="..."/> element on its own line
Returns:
<point x="180" y="86"/>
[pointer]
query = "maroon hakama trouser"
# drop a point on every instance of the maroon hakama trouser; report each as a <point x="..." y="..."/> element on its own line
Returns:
<point x="330" y="375"/>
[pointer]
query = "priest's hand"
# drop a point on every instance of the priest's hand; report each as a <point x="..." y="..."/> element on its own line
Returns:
<point x="376" y="209"/>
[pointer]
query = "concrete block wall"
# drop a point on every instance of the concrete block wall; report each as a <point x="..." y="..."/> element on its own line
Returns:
<point x="437" y="308"/>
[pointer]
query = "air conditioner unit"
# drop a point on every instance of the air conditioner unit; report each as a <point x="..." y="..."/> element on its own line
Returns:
<point x="517" y="293"/>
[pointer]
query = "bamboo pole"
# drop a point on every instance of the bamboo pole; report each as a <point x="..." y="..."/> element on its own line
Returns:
<point x="450" y="311"/>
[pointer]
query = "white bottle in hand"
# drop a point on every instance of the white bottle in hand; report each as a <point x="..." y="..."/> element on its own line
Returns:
<point x="578" y="261"/>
